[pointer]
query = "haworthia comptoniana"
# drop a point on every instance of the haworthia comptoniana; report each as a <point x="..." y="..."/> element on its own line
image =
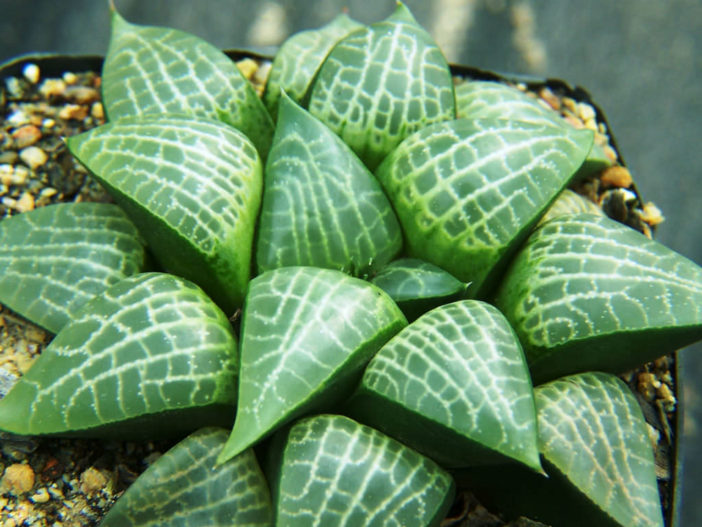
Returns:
<point x="592" y="430"/>
<point x="417" y="286"/>
<point x="151" y="356"/>
<point x="297" y="61"/>
<point x="306" y="335"/>
<point x="183" y="488"/>
<point x="382" y="83"/>
<point x="192" y="186"/>
<point x="454" y="384"/>
<point x="588" y="293"/>
<point x="56" y="258"/>
<point x="334" y="471"/>
<point x="321" y="206"/>
<point x="467" y="192"/>
<point x="157" y="70"/>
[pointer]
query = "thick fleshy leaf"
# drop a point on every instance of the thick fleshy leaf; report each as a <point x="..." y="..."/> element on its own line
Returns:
<point x="496" y="100"/>
<point x="596" y="450"/>
<point x="335" y="471"/>
<point x="592" y="430"/>
<point x="299" y="58"/>
<point x="321" y="205"/>
<point x="306" y="334"/>
<point x="192" y="186"/>
<point x="380" y="84"/>
<point x="587" y="293"/>
<point x="569" y="202"/>
<point x="151" y="356"/>
<point x="157" y="70"/>
<point x="454" y="385"/>
<point x="184" y="488"/>
<point x="467" y="192"/>
<point x="56" y="258"/>
<point x="417" y="286"/>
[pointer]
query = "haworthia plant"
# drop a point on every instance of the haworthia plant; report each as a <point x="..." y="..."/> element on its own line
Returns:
<point x="155" y="70"/>
<point x="192" y="185"/>
<point x="54" y="259"/>
<point x="297" y="61"/>
<point x="183" y="488"/>
<point x="306" y="335"/>
<point x="380" y="84"/>
<point x="467" y="192"/>
<point x="151" y="356"/>
<point x="587" y="293"/>
<point x="334" y="471"/>
<point x="321" y="206"/>
<point x="455" y="200"/>
<point x="458" y="372"/>
<point x="417" y="286"/>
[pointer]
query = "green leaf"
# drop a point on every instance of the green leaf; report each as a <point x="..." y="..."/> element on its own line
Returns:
<point x="151" y="356"/>
<point x="156" y="70"/>
<point x="337" y="472"/>
<point x="454" y="385"/>
<point x="496" y="100"/>
<point x="321" y="205"/>
<point x="467" y="192"/>
<point x="587" y="293"/>
<point x="299" y="58"/>
<point x="192" y="186"/>
<point x="307" y="334"/>
<point x="592" y="430"/>
<point x="56" y="258"/>
<point x="569" y="202"/>
<point x="417" y="286"/>
<point x="380" y="84"/>
<point x="184" y="488"/>
<point x="596" y="450"/>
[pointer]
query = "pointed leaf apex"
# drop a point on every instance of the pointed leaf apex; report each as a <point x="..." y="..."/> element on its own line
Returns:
<point x="402" y="14"/>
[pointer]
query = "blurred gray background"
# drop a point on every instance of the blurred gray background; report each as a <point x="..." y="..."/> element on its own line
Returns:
<point x="641" y="61"/>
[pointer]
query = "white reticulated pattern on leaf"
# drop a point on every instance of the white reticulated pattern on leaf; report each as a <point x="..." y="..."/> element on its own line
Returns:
<point x="337" y="472"/>
<point x="592" y="429"/>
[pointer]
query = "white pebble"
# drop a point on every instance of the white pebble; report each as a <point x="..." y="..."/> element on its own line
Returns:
<point x="33" y="156"/>
<point x="17" y="118"/>
<point x="31" y="72"/>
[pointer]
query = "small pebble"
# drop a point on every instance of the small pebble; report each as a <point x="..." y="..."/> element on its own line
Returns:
<point x="33" y="157"/>
<point x="17" y="118"/>
<point x="585" y="111"/>
<point x="8" y="157"/>
<point x="616" y="176"/>
<point x="73" y="111"/>
<point x="70" y="77"/>
<point x="82" y="94"/>
<point x="52" y="88"/>
<point x="652" y="214"/>
<point x="25" y="203"/>
<point x="48" y="123"/>
<point x="10" y="175"/>
<point x="17" y="479"/>
<point x="551" y="99"/>
<point x="31" y="73"/>
<point x="97" y="111"/>
<point x="247" y="67"/>
<point x="26" y="136"/>
<point x="92" y="480"/>
<point x="40" y="496"/>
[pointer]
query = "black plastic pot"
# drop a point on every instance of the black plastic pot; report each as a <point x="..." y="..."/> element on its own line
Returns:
<point x="52" y="65"/>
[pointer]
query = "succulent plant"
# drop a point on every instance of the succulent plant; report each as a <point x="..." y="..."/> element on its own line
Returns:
<point x="365" y="292"/>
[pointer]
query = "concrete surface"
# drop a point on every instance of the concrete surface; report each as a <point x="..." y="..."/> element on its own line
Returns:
<point x="642" y="62"/>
